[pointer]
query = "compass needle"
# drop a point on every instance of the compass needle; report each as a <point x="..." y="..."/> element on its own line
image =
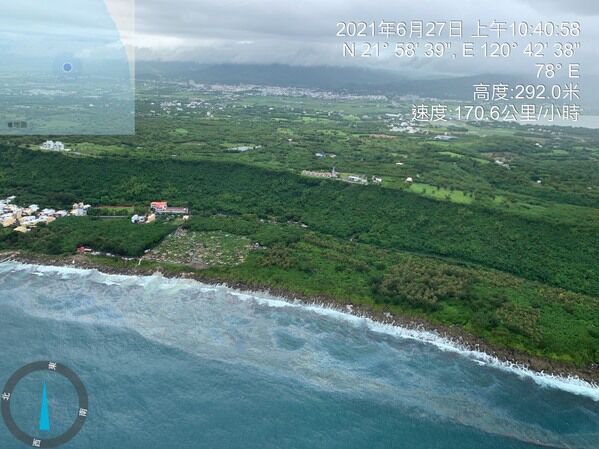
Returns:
<point x="79" y="406"/>
<point x="44" y="412"/>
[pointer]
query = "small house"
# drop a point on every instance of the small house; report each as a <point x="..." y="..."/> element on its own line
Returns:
<point x="445" y="137"/>
<point x="138" y="219"/>
<point x="10" y="221"/>
<point x="158" y="206"/>
<point x="357" y="179"/>
<point x="78" y="212"/>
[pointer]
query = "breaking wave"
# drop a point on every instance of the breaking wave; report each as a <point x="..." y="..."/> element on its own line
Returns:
<point x="318" y="346"/>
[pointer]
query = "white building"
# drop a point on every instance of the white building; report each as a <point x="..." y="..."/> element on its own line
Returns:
<point x="320" y="174"/>
<point x="52" y="146"/>
<point x="80" y="209"/>
<point x="28" y="220"/>
<point x="445" y="137"/>
<point x="357" y="179"/>
<point x="138" y="219"/>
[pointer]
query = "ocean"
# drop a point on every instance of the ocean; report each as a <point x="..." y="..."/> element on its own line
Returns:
<point x="170" y="363"/>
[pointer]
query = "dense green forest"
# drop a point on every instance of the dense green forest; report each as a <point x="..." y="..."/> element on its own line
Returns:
<point x="503" y="309"/>
<point x="497" y="235"/>
<point x="559" y="255"/>
<point x="116" y="236"/>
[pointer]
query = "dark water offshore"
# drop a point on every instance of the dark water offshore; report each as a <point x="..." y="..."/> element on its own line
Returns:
<point x="177" y="364"/>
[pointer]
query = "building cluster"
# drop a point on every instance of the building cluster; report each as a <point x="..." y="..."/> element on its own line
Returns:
<point x="168" y="105"/>
<point x="50" y="145"/>
<point x="320" y="174"/>
<point x="363" y="179"/>
<point x="194" y="105"/>
<point x="397" y="124"/>
<point x="22" y="219"/>
<point x="279" y="91"/>
<point x="405" y="127"/>
<point x="354" y="179"/>
<point x="160" y="208"/>
<point x="231" y="92"/>
<point x="244" y="148"/>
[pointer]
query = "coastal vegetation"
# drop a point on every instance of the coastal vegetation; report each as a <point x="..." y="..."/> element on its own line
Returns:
<point x="381" y="248"/>
<point x="561" y="255"/>
<point x="496" y="235"/>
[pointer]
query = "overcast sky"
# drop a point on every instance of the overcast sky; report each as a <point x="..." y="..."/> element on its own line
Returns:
<point x="302" y="32"/>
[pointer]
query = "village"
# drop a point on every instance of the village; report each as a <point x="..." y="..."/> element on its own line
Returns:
<point x="23" y="219"/>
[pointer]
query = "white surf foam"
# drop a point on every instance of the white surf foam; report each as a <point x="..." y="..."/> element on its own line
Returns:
<point x="572" y="384"/>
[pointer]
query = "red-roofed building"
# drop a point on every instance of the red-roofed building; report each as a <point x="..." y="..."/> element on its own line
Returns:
<point x="161" y="207"/>
<point x="158" y="206"/>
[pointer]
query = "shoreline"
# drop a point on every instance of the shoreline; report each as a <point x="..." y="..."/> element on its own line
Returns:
<point x="456" y="336"/>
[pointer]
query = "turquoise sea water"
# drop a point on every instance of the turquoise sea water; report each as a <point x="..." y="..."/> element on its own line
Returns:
<point x="177" y="364"/>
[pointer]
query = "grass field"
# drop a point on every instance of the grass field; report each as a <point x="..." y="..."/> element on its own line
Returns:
<point x="439" y="193"/>
<point x="201" y="249"/>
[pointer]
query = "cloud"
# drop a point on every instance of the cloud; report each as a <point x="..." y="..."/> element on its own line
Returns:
<point x="35" y="30"/>
<point x="303" y="32"/>
<point x="585" y="7"/>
